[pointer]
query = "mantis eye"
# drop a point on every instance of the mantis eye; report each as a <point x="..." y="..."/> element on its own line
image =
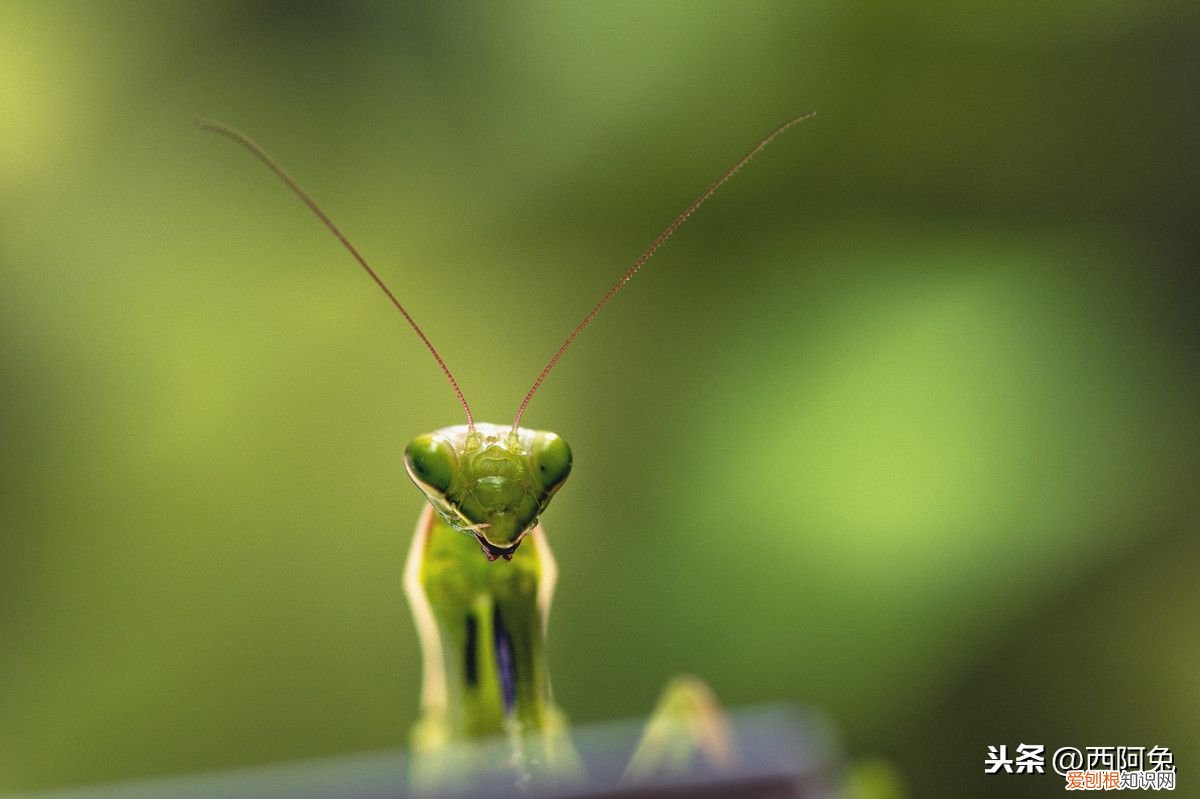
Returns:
<point x="551" y="460"/>
<point x="431" y="460"/>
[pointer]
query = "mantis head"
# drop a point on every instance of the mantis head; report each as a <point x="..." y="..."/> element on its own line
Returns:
<point x="489" y="481"/>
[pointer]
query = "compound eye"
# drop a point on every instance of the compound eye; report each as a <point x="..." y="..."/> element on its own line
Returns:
<point x="551" y="460"/>
<point x="431" y="460"/>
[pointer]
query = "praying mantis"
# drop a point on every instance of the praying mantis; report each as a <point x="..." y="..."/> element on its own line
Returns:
<point x="480" y="577"/>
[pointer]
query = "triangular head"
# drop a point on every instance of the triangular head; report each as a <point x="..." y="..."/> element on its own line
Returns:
<point x="489" y="481"/>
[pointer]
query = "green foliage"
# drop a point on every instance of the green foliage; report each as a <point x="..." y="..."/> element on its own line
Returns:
<point x="910" y="400"/>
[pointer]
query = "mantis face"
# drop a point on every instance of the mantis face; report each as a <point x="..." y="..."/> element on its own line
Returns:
<point x="492" y="482"/>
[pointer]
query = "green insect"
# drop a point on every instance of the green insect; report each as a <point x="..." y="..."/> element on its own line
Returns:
<point x="480" y="578"/>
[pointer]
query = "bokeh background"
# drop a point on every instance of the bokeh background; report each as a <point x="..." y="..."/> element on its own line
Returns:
<point x="901" y="427"/>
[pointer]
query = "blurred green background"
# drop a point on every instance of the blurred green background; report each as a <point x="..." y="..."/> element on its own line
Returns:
<point x="902" y="427"/>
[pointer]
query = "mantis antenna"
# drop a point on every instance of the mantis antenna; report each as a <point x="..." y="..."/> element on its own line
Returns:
<point x="261" y="155"/>
<point x="653" y="248"/>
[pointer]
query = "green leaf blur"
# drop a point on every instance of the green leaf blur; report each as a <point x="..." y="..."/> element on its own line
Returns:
<point x="902" y="426"/>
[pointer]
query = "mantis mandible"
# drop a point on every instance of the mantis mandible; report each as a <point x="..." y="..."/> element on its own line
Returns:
<point x="481" y="600"/>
